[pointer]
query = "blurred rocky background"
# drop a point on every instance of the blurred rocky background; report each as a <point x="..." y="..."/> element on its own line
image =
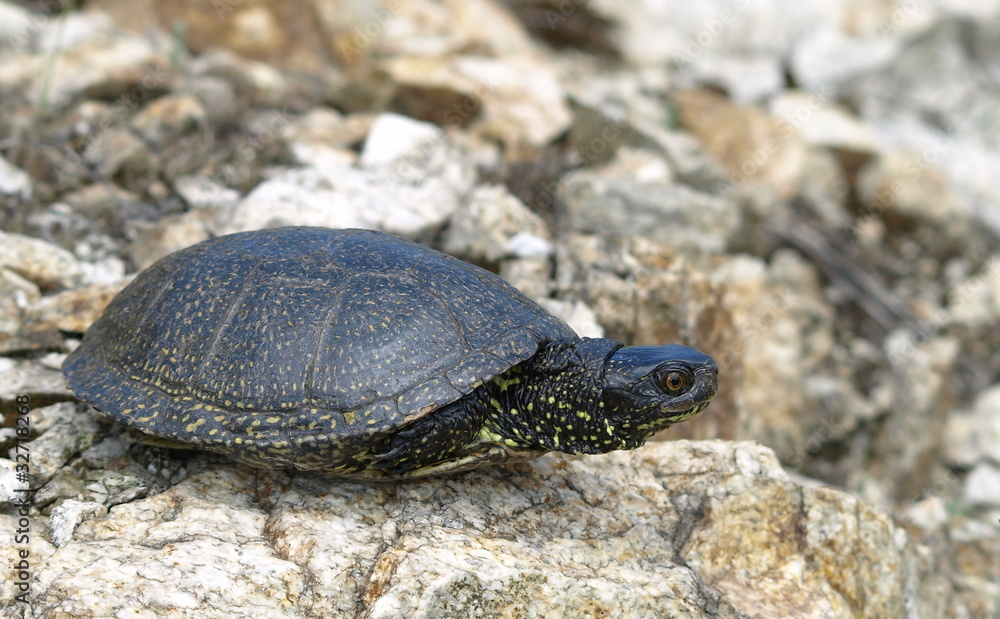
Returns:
<point x="807" y="191"/>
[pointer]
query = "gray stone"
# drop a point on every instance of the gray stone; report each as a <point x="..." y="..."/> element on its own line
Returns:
<point x="65" y="433"/>
<point x="45" y="264"/>
<point x="201" y="192"/>
<point x="168" y="235"/>
<point x="920" y="388"/>
<point x="557" y="535"/>
<point x="670" y="214"/>
<point x="30" y="378"/>
<point x="820" y="123"/>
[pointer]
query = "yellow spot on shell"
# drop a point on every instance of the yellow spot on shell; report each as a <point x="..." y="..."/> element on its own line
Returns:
<point x="191" y="427"/>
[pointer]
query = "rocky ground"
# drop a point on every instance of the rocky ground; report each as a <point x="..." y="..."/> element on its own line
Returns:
<point x="807" y="192"/>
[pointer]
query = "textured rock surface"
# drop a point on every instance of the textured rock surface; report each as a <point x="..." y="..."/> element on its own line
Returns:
<point x="807" y="191"/>
<point x="708" y="529"/>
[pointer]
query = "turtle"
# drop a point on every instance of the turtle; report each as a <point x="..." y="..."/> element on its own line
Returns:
<point x="365" y="355"/>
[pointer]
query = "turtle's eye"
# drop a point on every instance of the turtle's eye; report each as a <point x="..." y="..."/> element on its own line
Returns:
<point x="674" y="382"/>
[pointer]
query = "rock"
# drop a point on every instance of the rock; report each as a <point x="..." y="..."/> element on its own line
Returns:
<point x="31" y="379"/>
<point x="975" y="301"/>
<point x="201" y="192"/>
<point x="393" y="138"/>
<point x="829" y="58"/>
<point x="497" y="539"/>
<point x="167" y="118"/>
<point x="920" y="391"/>
<point x="15" y="184"/>
<point x="621" y="205"/>
<point x="122" y="64"/>
<point x="974" y="437"/>
<point x="577" y="315"/>
<point x="168" y="235"/>
<point x="821" y="123"/>
<point x="253" y="83"/>
<point x="778" y="333"/>
<point x="17" y="26"/>
<point x="65" y="517"/>
<point x="64" y="434"/>
<point x="16" y="294"/>
<point x="746" y="79"/>
<point x="72" y="311"/>
<point x="899" y="184"/>
<point x="515" y="100"/>
<point x="976" y="547"/>
<point x="407" y="195"/>
<point x="756" y="149"/>
<point x="492" y="225"/>
<point x="46" y="265"/>
<point x="119" y="150"/>
<point x="12" y="489"/>
<point x="982" y="486"/>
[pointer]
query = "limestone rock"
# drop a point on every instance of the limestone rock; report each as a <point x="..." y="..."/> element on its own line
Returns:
<point x="485" y="226"/>
<point x="973" y="437"/>
<point x="32" y="379"/>
<point x="15" y="184"/>
<point x="93" y="67"/>
<point x="557" y="536"/>
<point x="624" y="204"/>
<point x="982" y="486"/>
<point x="920" y="388"/>
<point x="406" y="192"/>
<point x="47" y="265"/>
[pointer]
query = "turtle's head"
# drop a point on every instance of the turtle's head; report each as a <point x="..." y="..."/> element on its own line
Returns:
<point x="648" y="388"/>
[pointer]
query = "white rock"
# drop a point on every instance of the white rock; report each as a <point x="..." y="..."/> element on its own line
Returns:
<point x="528" y="245"/>
<point x="73" y="29"/>
<point x="344" y="197"/>
<point x="747" y="79"/>
<point x="11" y="489"/>
<point x="485" y="225"/>
<point x="200" y="192"/>
<point x="976" y="300"/>
<point x="974" y="437"/>
<point x="576" y="314"/>
<point x="827" y="58"/>
<point x="41" y="262"/>
<point x="982" y="486"/>
<point x="393" y="137"/>
<point x="66" y="516"/>
<point x="821" y="123"/>
<point x="14" y="182"/>
<point x="18" y="27"/>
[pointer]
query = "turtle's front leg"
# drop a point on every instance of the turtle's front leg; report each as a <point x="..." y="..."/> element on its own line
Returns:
<point x="446" y="434"/>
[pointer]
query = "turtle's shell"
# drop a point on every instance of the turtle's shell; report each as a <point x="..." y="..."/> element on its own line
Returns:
<point x="301" y="346"/>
